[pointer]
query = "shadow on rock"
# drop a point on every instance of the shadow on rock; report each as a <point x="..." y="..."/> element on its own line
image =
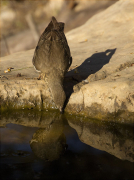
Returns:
<point x="94" y="63"/>
<point x="90" y="66"/>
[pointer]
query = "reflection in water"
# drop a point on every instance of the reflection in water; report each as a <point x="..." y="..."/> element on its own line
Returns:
<point x="49" y="143"/>
<point x="45" y="134"/>
<point x="115" y="139"/>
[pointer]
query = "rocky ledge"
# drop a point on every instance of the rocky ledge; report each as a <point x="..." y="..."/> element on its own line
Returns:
<point x="100" y="82"/>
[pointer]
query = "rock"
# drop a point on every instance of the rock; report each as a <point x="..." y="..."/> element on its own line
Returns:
<point x="112" y="96"/>
<point x="105" y="59"/>
<point x="76" y="13"/>
<point x="100" y="86"/>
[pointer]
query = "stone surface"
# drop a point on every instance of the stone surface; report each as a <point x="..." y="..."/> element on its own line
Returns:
<point x="108" y="63"/>
<point x="113" y="95"/>
<point x="102" y="84"/>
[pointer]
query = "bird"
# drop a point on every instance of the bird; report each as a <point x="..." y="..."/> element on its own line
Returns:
<point x="52" y="57"/>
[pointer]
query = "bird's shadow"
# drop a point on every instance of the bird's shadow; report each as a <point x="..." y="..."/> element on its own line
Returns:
<point x="90" y="66"/>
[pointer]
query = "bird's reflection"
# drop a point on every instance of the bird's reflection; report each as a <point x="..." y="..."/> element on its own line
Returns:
<point x="49" y="143"/>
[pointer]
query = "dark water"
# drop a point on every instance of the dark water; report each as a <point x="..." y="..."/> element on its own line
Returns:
<point x="52" y="146"/>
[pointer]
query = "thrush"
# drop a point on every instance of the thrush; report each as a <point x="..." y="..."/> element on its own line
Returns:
<point x="52" y="57"/>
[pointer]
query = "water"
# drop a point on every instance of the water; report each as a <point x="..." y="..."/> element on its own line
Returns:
<point x="47" y="145"/>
